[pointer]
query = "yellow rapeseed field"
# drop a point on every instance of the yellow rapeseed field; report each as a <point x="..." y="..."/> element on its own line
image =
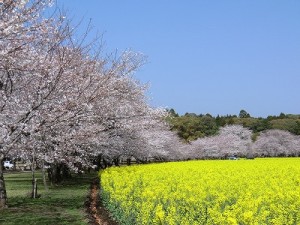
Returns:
<point x="260" y="191"/>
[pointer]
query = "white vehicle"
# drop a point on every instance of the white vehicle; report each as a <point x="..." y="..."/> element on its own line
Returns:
<point x="8" y="165"/>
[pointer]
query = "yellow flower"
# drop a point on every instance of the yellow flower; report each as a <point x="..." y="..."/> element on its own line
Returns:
<point x="232" y="221"/>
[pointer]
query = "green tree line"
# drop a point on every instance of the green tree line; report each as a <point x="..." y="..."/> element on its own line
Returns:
<point x="191" y="126"/>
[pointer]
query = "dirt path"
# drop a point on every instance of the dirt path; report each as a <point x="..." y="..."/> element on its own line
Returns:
<point x="97" y="214"/>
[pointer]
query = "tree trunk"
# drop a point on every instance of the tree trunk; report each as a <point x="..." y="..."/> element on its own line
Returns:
<point x="34" y="188"/>
<point x="50" y="175"/>
<point x="65" y="172"/>
<point x="116" y="161"/>
<point x="34" y="180"/>
<point x="54" y="174"/>
<point x="3" y="196"/>
<point x="44" y="176"/>
<point x="128" y="161"/>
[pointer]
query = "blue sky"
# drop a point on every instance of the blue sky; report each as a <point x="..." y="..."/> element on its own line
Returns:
<point x="210" y="56"/>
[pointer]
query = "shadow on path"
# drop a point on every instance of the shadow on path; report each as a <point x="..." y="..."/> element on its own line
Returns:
<point x="97" y="214"/>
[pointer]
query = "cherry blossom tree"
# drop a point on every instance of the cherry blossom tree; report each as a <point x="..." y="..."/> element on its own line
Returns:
<point x="232" y="140"/>
<point x="20" y="25"/>
<point x="61" y="100"/>
<point x="274" y="143"/>
<point x="161" y="143"/>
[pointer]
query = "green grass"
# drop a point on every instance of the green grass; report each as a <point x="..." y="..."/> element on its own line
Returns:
<point x="62" y="204"/>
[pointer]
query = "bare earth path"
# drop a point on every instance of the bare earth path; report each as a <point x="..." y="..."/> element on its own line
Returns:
<point x="97" y="214"/>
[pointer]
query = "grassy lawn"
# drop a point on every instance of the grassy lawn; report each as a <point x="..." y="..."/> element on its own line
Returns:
<point x="62" y="204"/>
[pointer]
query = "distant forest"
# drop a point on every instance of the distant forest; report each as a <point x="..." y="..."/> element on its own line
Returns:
<point x="191" y="126"/>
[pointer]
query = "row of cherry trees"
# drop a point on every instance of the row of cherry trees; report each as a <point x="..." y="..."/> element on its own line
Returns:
<point x="63" y="102"/>
<point x="230" y="141"/>
<point x="277" y="143"/>
<point x="235" y="140"/>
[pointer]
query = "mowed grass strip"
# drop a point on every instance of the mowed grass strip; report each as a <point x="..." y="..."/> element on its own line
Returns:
<point x="61" y="204"/>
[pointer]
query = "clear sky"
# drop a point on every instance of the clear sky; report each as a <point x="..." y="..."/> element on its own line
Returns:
<point x="209" y="56"/>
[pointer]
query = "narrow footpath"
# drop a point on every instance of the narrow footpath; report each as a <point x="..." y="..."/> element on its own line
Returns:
<point x="97" y="214"/>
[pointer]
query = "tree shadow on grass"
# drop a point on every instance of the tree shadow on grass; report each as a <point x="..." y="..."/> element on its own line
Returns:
<point x="62" y="204"/>
<point x="44" y="211"/>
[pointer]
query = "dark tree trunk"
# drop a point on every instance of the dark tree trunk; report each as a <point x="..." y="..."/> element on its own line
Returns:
<point x="54" y="174"/>
<point x="65" y="172"/>
<point x="116" y="161"/>
<point x="58" y="172"/>
<point x="57" y="178"/>
<point x="128" y="161"/>
<point x="49" y="172"/>
<point x="3" y="196"/>
<point x="105" y="164"/>
<point x="98" y="162"/>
